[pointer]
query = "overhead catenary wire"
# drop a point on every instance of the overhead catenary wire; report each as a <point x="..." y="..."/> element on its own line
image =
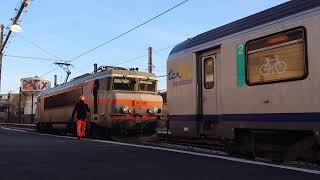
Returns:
<point x="25" y="10"/>
<point x="145" y="55"/>
<point x="132" y="29"/>
<point x="54" y="69"/>
<point x="10" y="91"/>
<point x="50" y="71"/>
<point x="138" y="57"/>
<point x="73" y="59"/>
<point x="162" y="76"/>
<point x="39" y="47"/>
<point x="15" y="20"/>
<point x="33" y="58"/>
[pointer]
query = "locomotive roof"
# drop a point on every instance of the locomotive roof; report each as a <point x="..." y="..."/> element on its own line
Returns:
<point x="98" y="75"/>
<point x="275" y="13"/>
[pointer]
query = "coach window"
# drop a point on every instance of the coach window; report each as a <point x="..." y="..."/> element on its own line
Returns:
<point x="208" y="73"/>
<point x="276" y="58"/>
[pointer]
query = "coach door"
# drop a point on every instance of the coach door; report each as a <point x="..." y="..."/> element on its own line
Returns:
<point x="209" y="89"/>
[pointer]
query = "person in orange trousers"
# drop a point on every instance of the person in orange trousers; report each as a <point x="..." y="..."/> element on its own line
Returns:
<point x="81" y="108"/>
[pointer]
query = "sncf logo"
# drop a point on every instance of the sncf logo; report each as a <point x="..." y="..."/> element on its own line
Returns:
<point x="173" y="75"/>
<point x="180" y="74"/>
<point x="181" y="71"/>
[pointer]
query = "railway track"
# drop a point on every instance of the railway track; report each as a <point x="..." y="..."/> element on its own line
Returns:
<point x="216" y="146"/>
<point x="219" y="148"/>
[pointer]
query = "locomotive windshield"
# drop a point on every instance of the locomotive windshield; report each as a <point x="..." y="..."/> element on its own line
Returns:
<point x="147" y="85"/>
<point x="125" y="84"/>
<point x="134" y="84"/>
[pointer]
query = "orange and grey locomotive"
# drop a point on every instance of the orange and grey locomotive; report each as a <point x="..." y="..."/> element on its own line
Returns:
<point x="121" y="100"/>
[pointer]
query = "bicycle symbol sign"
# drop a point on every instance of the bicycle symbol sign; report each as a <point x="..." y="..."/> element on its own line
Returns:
<point x="273" y="65"/>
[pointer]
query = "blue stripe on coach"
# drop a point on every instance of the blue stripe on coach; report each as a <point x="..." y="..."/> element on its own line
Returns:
<point x="281" y="117"/>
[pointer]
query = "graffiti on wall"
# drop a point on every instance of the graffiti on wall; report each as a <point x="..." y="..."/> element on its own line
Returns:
<point x="35" y="85"/>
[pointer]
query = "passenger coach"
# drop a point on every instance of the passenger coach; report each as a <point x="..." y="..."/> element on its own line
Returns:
<point x="254" y="83"/>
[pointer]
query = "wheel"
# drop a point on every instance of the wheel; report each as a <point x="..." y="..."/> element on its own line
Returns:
<point x="107" y="133"/>
<point x="264" y="69"/>
<point x="94" y="130"/>
<point x="40" y="127"/>
<point x="281" y="67"/>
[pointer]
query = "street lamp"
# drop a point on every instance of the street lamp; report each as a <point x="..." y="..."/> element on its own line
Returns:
<point x="16" y="28"/>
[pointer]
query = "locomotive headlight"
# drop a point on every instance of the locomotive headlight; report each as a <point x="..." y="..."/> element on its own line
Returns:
<point x="131" y="110"/>
<point x="127" y="110"/>
<point x="124" y="109"/>
<point x="153" y="110"/>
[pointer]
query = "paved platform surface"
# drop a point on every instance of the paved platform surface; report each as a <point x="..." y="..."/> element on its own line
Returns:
<point x="34" y="156"/>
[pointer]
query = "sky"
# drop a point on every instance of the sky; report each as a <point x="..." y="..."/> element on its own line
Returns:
<point x="66" y="29"/>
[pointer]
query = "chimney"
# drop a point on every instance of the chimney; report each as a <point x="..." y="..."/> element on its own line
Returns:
<point x="150" y="59"/>
<point x="95" y="68"/>
<point x="55" y="80"/>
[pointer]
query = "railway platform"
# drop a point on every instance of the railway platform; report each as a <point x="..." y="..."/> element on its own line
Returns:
<point x="29" y="155"/>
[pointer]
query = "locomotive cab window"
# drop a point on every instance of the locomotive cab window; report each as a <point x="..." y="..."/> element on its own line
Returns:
<point x="147" y="85"/>
<point x="209" y="73"/>
<point x="124" y="84"/>
<point x="276" y="58"/>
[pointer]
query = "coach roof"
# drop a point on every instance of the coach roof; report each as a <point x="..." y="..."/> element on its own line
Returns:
<point x="275" y="13"/>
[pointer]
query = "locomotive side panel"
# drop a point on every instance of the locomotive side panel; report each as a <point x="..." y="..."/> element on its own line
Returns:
<point x="87" y="93"/>
<point x="57" y="107"/>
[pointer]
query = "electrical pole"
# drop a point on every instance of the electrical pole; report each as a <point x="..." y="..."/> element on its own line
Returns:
<point x="20" y="105"/>
<point x="1" y="54"/>
<point x="24" y="4"/>
<point x="32" y="108"/>
<point x="9" y="107"/>
<point x="150" y="60"/>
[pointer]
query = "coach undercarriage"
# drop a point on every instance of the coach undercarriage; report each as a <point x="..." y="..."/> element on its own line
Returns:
<point x="277" y="145"/>
<point x="272" y="144"/>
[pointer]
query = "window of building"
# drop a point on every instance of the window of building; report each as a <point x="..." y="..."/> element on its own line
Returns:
<point x="69" y="98"/>
<point x="209" y="73"/>
<point x="276" y="58"/>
